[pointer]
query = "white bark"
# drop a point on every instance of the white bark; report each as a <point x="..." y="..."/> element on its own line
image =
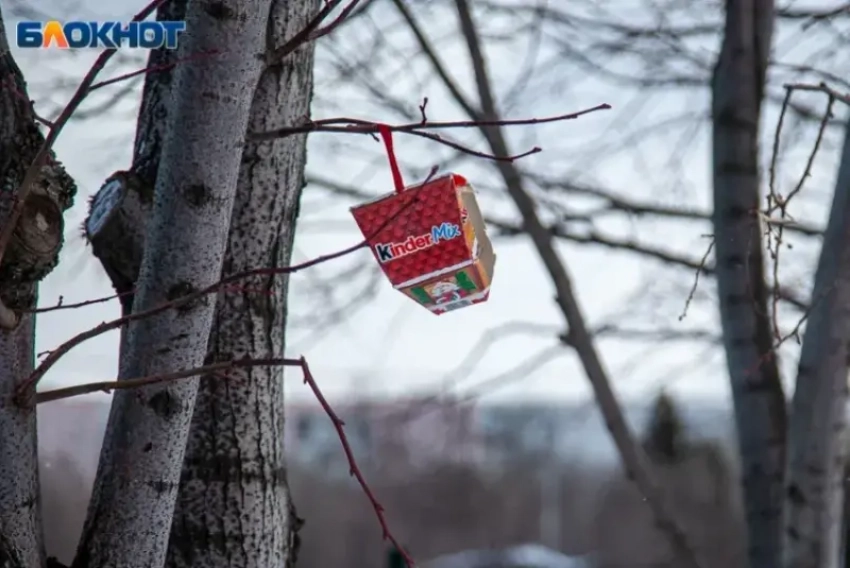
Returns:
<point x="20" y="531"/>
<point x="130" y="514"/>
<point x="760" y="406"/>
<point x="818" y="437"/>
<point x="21" y="540"/>
<point x="118" y="239"/>
<point x="234" y="508"/>
<point x="31" y="255"/>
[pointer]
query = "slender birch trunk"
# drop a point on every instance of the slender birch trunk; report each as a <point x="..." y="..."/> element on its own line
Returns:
<point x="817" y="449"/>
<point x="119" y="213"/>
<point x="234" y="508"/>
<point x="30" y="256"/>
<point x="760" y="406"/>
<point x="634" y="460"/>
<point x="130" y="514"/>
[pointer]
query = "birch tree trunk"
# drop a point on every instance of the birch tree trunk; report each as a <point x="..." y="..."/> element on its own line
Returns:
<point x="234" y="508"/>
<point x="130" y="513"/>
<point x="817" y="448"/>
<point x="119" y="218"/>
<point x="760" y="406"/>
<point x="634" y="460"/>
<point x="32" y="253"/>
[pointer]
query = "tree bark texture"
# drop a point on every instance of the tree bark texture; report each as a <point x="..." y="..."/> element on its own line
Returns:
<point x="817" y="444"/>
<point x="32" y="253"/>
<point x="759" y="402"/>
<point x="118" y="240"/>
<point x="234" y="508"/>
<point x="130" y="515"/>
<point x="21" y="537"/>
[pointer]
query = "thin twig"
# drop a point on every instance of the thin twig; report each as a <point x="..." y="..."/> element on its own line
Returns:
<point x="61" y="305"/>
<point x="772" y="196"/>
<point x="216" y="371"/>
<point x="355" y="125"/>
<point x="303" y="35"/>
<point x="693" y="291"/>
<point x="358" y="126"/>
<point x="807" y="172"/>
<point x="125" y="384"/>
<point x="777" y="202"/>
<point x="27" y="387"/>
<point x="338" y="21"/>
<point x="152" y="69"/>
<point x="354" y="469"/>
<point x="820" y="87"/>
<point x="774" y="200"/>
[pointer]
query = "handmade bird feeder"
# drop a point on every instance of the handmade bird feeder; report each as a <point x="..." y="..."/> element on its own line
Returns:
<point x="430" y="240"/>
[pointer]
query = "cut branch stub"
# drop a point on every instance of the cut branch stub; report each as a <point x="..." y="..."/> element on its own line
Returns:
<point x="31" y="224"/>
<point x="115" y="229"/>
<point x="33" y="249"/>
<point x="37" y="238"/>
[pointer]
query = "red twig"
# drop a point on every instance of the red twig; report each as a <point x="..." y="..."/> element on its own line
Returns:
<point x="26" y="389"/>
<point x="152" y="69"/>
<point x="53" y="132"/>
<point x="125" y="384"/>
<point x="356" y="125"/>
<point x="354" y="470"/>
<point x="359" y="126"/>
<point x="216" y="370"/>
<point x="346" y="12"/>
<point x="61" y="305"/>
<point x="302" y="36"/>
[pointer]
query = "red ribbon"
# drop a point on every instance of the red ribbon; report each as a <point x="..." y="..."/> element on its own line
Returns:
<point x="387" y="135"/>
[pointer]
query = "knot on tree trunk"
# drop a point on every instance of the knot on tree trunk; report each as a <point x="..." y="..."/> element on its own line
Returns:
<point x="33" y="250"/>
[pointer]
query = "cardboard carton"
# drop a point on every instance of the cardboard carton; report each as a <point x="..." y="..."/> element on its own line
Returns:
<point x="431" y="243"/>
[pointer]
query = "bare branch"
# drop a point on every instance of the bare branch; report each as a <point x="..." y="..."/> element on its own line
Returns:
<point x="61" y="305"/>
<point x="822" y="88"/>
<point x="216" y="371"/>
<point x="358" y="126"/>
<point x="26" y="389"/>
<point x="693" y="290"/>
<point x="43" y="154"/>
<point x="631" y="455"/>
<point x="312" y="31"/>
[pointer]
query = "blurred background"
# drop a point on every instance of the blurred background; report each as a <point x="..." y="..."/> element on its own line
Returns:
<point x="477" y="429"/>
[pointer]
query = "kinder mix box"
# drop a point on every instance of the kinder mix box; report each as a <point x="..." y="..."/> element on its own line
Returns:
<point x="431" y="243"/>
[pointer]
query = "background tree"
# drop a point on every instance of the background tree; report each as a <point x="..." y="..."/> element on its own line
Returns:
<point x="665" y="439"/>
<point x="738" y="87"/>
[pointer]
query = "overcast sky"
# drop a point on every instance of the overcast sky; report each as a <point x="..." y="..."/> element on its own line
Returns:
<point x="391" y="346"/>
